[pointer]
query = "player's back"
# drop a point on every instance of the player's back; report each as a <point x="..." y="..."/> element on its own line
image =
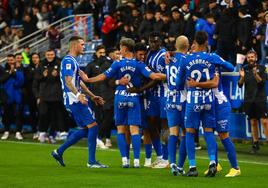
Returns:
<point x="130" y="68"/>
<point x="172" y="71"/>
<point x="200" y="67"/>
<point x="69" y="67"/>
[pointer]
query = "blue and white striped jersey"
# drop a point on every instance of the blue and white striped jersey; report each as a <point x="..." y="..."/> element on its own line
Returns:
<point x="69" y="67"/>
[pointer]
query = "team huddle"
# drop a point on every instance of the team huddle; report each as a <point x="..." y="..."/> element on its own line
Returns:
<point x="167" y="95"/>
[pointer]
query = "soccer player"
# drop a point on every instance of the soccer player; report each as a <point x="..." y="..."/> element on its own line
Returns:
<point x="175" y="106"/>
<point x="77" y="104"/>
<point x="127" y="105"/>
<point x="223" y="111"/>
<point x="200" y="66"/>
<point x="156" y="101"/>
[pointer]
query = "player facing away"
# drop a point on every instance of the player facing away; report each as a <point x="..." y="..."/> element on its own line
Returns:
<point x="222" y="112"/>
<point x="77" y="104"/>
<point x="200" y="102"/>
<point x="127" y="107"/>
<point x="175" y="106"/>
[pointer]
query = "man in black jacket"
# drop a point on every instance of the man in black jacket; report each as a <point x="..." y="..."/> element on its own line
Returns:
<point x="94" y="69"/>
<point x="49" y="96"/>
<point x="254" y="77"/>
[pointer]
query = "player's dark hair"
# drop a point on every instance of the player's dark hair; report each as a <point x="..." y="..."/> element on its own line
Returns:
<point x="75" y="38"/>
<point x="201" y="37"/>
<point x="154" y="35"/>
<point x="111" y="50"/>
<point x="128" y="42"/>
<point x="17" y="54"/>
<point x="140" y="46"/>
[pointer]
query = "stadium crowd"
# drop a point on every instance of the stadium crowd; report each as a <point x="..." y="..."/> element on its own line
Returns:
<point x="233" y="28"/>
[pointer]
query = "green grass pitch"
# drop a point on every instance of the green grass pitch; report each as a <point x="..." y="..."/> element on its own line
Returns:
<point x="28" y="164"/>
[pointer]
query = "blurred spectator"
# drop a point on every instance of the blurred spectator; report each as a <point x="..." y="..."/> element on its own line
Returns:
<point x="7" y="37"/>
<point x="54" y="36"/>
<point x="212" y="8"/>
<point x="146" y="26"/>
<point x="93" y="69"/>
<point x="28" y="95"/>
<point x="107" y="87"/>
<point x="254" y="77"/>
<point x="109" y="29"/>
<point x="158" y="23"/>
<point x="12" y="108"/>
<point x="49" y="97"/>
<point x="3" y="24"/>
<point x="43" y="17"/>
<point x="209" y="27"/>
<point x="244" y="32"/>
<point x="176" y="26"/>
<point x="226" y="40"/>
<point x="29" y="25"/>
<point x="262" y="35"/>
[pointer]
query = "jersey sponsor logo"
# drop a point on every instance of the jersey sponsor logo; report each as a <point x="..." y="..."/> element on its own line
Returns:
<point x="198" y="108"/>
<point x="68" y="66"/>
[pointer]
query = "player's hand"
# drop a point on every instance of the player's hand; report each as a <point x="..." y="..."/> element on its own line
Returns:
<point x="83" y="75"/>
<point x="242" y="73"/>
<point x="133" y="90"/>
<point x="124" y="81"/>
<point x="167" y="58"/>
<point x="191" y="82"/>
<point x="98" y="100"/>
<point x="82" y="98"/>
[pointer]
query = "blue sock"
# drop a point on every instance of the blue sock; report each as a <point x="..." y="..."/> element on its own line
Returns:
<point x="165" y="151"/>
<point x="182" y="152"/>
<point x="122" y="144"/>
<point x="91" y="142"/>
<point x="148" y="150"/>
<point x="72" y="139"/>
<point x="157" y="146"/>
<point x="190" y="148"/>
<point x="172" y="148"/>
<point x="211" y="145"/>
<point x="216" y="154"/>
<point x="231" y="153"/>
<point x="136" y="142"/>
<point x="127" y="150"/>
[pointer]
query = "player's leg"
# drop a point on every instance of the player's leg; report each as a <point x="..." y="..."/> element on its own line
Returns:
<point x="83" y="116"/>
<point x="209" y="124"/>
<point x="173" y="116"/>
<point x="192" y="121"/>
<point x="128" y="142"/>
<point x="134" y="120"/>
<point x="154" y="125"/>
<point x="222" y="112"/>
<point x="182" y="152"/>
<point x="231" y="154"/>
<point x="148" y="147"/>
<point x="164" y="129"/>
<point x="120" y="114"/>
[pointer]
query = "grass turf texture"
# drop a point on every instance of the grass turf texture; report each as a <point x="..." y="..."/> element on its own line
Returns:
<point x="27" y="164"/>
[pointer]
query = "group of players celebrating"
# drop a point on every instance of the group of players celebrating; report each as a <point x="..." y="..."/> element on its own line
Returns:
<point x="167" y="94"/>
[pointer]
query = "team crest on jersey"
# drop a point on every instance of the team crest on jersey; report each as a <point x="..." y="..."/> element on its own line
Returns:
<point x="68" y="66"/>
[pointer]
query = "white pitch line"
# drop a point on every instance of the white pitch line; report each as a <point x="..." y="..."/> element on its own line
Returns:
<point x="113" y="150"/>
